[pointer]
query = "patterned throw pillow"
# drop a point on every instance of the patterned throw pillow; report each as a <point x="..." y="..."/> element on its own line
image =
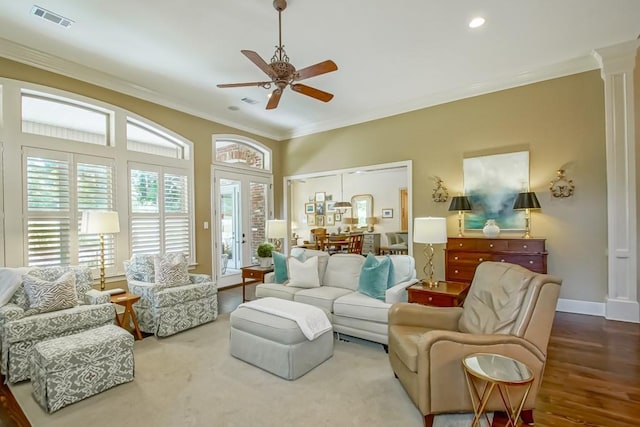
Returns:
<point x="47" y="296"/>
<point x="171" y="270"/>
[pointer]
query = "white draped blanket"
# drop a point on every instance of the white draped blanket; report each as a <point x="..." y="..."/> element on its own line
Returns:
<point x="311" y="320"/>
<point x="10" y="280"/>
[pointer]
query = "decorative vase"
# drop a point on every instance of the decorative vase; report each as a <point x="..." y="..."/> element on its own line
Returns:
<point x="265" y="261"/>
<point x="491" y="229"/>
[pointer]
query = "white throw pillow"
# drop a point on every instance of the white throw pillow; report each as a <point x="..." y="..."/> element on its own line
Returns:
<point x="171" y="270"/>
<point x="45" y="296"/>
<point x="304" y="274"/>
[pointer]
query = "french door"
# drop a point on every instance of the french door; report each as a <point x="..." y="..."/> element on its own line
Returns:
<point x="243" y="203"/>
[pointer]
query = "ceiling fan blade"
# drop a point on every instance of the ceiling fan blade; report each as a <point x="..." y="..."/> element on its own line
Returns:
<point x="317" y="69"/>
<point x="256" y="59"/>
<point x="259" y="84"/>
<point x="274" y="99"/>
<point x="312" y="92"/>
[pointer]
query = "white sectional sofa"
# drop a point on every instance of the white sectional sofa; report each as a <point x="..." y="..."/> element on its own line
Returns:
<point x="350" y="312"/>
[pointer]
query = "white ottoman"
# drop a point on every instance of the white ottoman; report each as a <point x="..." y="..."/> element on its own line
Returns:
<point x="68" y="369"/>
<point x="276" y="344"/>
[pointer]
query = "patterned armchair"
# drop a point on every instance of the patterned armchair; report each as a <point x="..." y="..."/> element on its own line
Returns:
<point x="21" y="327"/>
<point x="163" y="310"/>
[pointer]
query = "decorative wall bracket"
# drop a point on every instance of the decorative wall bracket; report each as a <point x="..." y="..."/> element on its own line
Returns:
<point x="440" y="193"/>
<point x="561" y="186"/>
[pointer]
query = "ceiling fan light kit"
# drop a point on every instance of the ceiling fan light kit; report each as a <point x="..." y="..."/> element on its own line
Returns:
<point x="283" y="73"/>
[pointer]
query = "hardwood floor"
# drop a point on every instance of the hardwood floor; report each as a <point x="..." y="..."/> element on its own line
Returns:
<point x="592" y="376"/>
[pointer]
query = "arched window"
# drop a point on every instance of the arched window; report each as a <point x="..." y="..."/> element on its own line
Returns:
<point x="241" y="152"/>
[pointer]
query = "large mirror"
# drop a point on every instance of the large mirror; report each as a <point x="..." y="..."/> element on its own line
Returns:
<point x="361" y="209"/>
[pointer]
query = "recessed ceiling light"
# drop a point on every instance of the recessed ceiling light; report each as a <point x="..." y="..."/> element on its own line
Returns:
<point x="476" y="22"/>
<point x="233" y="108"/>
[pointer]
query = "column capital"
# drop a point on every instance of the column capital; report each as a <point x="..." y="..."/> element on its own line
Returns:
<point x="617" y="59"/>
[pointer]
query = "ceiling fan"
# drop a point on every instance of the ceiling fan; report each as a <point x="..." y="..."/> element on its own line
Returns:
<point x="283" y="73"/>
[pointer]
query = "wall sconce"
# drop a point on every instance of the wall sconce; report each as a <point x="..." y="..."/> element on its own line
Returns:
<point x="460" y="204"/>
<point x="561" y="186"/>
<point x="526" y="201"/>
<point x="440" y="193"/>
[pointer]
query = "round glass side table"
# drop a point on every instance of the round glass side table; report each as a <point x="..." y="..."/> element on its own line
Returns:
<point x="495" y="372"/>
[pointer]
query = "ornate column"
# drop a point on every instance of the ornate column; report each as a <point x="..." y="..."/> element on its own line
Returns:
<point x="617" y="64"/>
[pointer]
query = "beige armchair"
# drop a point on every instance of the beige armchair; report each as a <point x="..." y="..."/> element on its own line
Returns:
<point x="509" y="311"/>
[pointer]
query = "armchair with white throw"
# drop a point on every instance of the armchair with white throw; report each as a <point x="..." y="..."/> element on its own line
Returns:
<point x="171" y="299"/>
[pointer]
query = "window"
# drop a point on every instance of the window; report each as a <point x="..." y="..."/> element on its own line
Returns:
<point x="160" y="210"/>
<point x="241" y="153"/>
<point x="59" y="117"/>
<point x="144" y="139"/>
<point x="58" y="187"/>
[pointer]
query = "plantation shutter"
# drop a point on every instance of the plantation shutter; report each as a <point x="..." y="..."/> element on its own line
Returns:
<point x="145" y="212"/>
<point x="48" y="211"/>
<point x="177" y="230"/>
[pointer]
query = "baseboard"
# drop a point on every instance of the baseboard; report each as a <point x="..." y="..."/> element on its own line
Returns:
<point x="581" y="307"/>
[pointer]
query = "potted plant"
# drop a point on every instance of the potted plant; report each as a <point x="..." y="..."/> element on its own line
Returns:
<point x="265" y="251"/>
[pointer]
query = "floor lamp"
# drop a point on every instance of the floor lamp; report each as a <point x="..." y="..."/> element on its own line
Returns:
<point x="276" y="230"/>
<point x="460" y="204"/>
<point x="430" y="231"/>
<point x="100" y="222"/>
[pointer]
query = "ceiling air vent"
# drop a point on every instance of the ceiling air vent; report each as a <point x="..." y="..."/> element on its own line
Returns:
<point x="249" y="100"/>
<point x="51" y="17"/>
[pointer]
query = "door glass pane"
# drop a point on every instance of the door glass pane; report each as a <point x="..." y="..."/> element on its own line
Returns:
<point x="258" y="216"/>
<point x="230" y="227"/>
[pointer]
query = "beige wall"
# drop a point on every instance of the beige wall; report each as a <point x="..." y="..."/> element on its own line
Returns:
<point x="195" y="129"/>
<point x="561" y="122"/>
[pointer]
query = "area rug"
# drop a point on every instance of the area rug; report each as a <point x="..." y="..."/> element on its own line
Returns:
<point x="190" y="379"/>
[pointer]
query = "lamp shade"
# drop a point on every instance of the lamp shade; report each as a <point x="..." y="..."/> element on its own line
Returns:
<point x="371" y="220"/>
<point x="347" y="220"/>
<point x="460" y="203"/>
<point x="99" y="222"/>
<point x="276" y="228"/>
<point x="526" y="200"/>
<point x="430" y="230"/>
<point x="342" y="205"/>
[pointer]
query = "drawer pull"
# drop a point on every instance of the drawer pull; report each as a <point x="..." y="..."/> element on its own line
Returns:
<point x="480" y="259"/>
<point x="460" y="244"/>
<point x="455" y="257"/>
<point x="430" y="298"/>
<point x="490" y="245"/>
<point x="456" y="271"/>
<point x="530" y="262"/>
<point x="502" y="260"/>
<point x="524" y="246"/>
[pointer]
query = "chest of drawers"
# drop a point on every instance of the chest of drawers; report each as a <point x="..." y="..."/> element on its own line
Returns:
<point x="371" y="243"/>
<point x="463" y="254"/>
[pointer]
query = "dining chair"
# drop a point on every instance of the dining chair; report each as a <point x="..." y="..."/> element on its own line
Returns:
<point x="320" y="238"/>
<point x="354" y="245"/>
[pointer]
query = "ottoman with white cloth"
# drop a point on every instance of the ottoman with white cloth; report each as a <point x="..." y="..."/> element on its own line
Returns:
<point x="68" y="369"/>
<point x="283" y="337"/>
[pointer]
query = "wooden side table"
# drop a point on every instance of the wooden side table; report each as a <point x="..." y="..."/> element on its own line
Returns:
<point x="127" y="300"/>
<point x="446" y="294"/>
<point x="255" y="274"/>
<point x="496" y="372"/>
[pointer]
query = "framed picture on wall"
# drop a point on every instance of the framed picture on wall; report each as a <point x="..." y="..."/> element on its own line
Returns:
<point x="310" y="208"/>
<point x="320" y="220"/>
<point x="387" y="213"/>
<point x="331" y="219"/>
<point x="329" y="204"/>
<point x="311" y="219"/>
<point x="337" y="216"/>
<point x="320" y="196"/>
<point x="320" y="208"/>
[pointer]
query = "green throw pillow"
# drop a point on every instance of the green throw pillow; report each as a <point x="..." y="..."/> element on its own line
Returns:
<point x="374" y="277"/>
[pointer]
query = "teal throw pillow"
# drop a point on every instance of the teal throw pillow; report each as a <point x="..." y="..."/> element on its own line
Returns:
<point x="374" y="277"/>
<point x="392" y="274"/>
<point x="280" y="270"/>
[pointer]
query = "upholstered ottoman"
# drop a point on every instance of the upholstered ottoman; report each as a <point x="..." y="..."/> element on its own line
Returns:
<point x="275" y="343"/>
<point x="68" y="369"/>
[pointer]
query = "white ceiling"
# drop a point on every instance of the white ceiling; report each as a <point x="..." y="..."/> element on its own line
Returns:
<point x="393" y="56"/>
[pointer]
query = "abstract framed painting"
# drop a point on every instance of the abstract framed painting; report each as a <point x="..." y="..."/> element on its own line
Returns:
<point x="492" y="184"/>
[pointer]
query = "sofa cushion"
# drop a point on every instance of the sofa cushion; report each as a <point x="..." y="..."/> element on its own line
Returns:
<point x="322" y="297"/>
<point x="276" y="290"/>
<point x="141" y="267"/>
<point x="45" y="296"/>
<point x="343" y="271"/>
<point x="303" y="274"/>
<point x="359" y="306"/>
<point x="323" y="259"/>
<point x="280" y="271"/>
<point x="374" y="277"/>
<point x="171" y="270"/>
<point x="404" y="268"/>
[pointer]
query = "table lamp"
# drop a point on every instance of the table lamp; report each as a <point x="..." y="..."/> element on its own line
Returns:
<point x="276" y="230"/>
<point x="526" y="201"/>
<point x="348" y="221"/>
<point x="371" y="221"/>
<point x="460" y="204"/>
<point x="430" y="231"/>
<point x="100" y="222"/>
